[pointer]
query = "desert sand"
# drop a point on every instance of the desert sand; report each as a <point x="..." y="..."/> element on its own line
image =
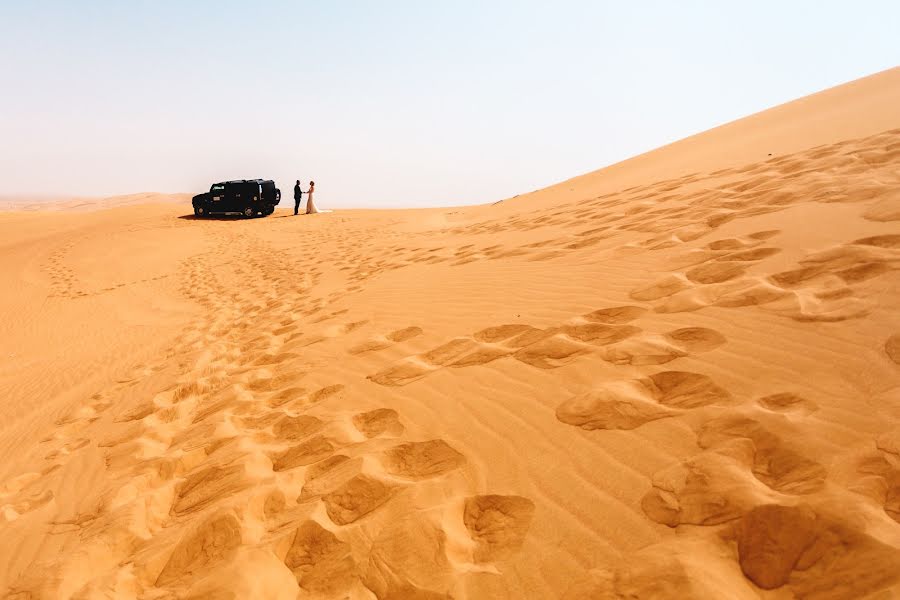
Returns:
<point x="676" y="377"/>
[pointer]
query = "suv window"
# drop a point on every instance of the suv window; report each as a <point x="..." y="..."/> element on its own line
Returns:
<point x="217" y="188"/>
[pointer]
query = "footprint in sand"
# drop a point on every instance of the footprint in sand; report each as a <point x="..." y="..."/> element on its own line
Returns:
<point x="267" y="359"/>
<point x="447" y="353"/>
<point x="67" y="449"/>
<point x="13" y="510"/>
<point x="326" y="392"/>
<point x="500" y="333"/>
<point x="306" y="453"/>
<point x="292" y="428"/>
<point x="630" y="404"/>
<point x="860" y="260"/>
<point x="697" y="339"/>
<point x="422" y="460"/>
<point x="892" y="348"/>
<point x="552" y="352"/>
<point x="401" y="335"/>
<point x="201" y="547"/>
<point x="286" y="328"/>
<point x="298" y="397"/>
<point x="775" y="461"/>
<point x="668" y="285"/>
<point x="329" y="474"/>
<point x="879" y="474"/>
<point x="497" y="524"/>
<point x="19" y="483"/>
<point x="207" y="486"/>
<point x="599" y="334"/>
<point x="818" y="289"/>
<point x="268" y="382"/>
<point x="407" y="333"/>
<point x="350" y="327"/>
<point x="540" y="348"/>
<point x="808" y="551"/>
<point x="771" y="539"/>
<point x="716" y="272"/>
<point x="356" y="498"/>
<point x="381" y="421"/>
<point x="764" y="235"/>
<point x="656" y="349"/>
<point x="753" y="255"/>
<point x="713" y="268"/>
<point x="788" y="402"/>
<point x="707" y="489"/>
<point x="413" y="368"/>
<point x="742" y="465"/>
<point x="403" y="373"/>
<point x="321" y="562"/>
<point x="390" y="574"/>
<point x="617" y="315"/>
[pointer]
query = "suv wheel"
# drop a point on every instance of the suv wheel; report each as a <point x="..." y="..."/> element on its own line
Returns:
<point x="199" y="211"/>
<point x="249" y="212"/>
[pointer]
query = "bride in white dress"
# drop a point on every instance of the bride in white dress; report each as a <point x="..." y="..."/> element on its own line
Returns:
<point x="310" y="205"/>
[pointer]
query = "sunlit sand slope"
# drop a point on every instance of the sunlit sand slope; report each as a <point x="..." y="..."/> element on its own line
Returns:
<point x="677" y="377"/>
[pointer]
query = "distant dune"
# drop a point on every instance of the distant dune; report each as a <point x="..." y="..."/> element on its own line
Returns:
<point x="676" y="377"/>
<point x="62" y="203"/>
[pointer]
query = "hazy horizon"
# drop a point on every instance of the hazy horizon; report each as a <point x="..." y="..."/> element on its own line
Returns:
<point x="402" y="104"/>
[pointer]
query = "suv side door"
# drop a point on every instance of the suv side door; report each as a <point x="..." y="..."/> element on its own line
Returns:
<point x="217" y="198"/>
<point x="233" y="200"/>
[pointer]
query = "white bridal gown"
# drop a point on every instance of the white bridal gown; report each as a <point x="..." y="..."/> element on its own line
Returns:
<point x="310" y="205"/>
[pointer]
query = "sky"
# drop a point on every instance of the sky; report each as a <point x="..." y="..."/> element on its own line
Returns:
<point x="397" y="103"/>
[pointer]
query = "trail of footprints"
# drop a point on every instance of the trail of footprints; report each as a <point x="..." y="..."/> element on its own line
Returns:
<point x="304" y="480"/>
<point x="819" y="288"/>
<point x="241" y="456"/>
<point x="62" y="279"/>
<point x="64" y="283"/>
<point x="674" y="217"/>
<point x="605" y="331"/>
<point x="753" y="480"/>
<point x="679" y="211"/>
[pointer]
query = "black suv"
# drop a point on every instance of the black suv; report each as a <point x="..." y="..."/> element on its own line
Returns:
<point x="248" y="197"/>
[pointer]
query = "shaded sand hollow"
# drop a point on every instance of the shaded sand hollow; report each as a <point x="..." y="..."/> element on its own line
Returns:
<point x="675" y="377"/>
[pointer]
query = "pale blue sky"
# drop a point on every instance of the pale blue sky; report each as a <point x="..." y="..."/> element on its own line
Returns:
<point x="397" y="103"/>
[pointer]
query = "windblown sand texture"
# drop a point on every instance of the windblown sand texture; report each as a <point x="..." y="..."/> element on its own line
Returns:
<point x="677" y="377"/>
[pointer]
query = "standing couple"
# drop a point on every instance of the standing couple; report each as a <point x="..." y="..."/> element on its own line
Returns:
<point x="298" y="196"/>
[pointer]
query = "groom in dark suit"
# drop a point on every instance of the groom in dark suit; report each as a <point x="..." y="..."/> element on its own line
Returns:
<point x="298" y="196"/>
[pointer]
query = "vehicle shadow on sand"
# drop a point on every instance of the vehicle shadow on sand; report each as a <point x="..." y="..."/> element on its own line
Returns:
<point x="216" y="218"/>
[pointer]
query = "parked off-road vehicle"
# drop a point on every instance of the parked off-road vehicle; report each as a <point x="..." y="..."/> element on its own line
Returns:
<point x="248" y="197"/>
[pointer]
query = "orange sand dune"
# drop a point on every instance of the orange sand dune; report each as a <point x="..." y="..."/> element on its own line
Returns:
<point x="675" y="377"/>
<point x="58" y="203"/>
